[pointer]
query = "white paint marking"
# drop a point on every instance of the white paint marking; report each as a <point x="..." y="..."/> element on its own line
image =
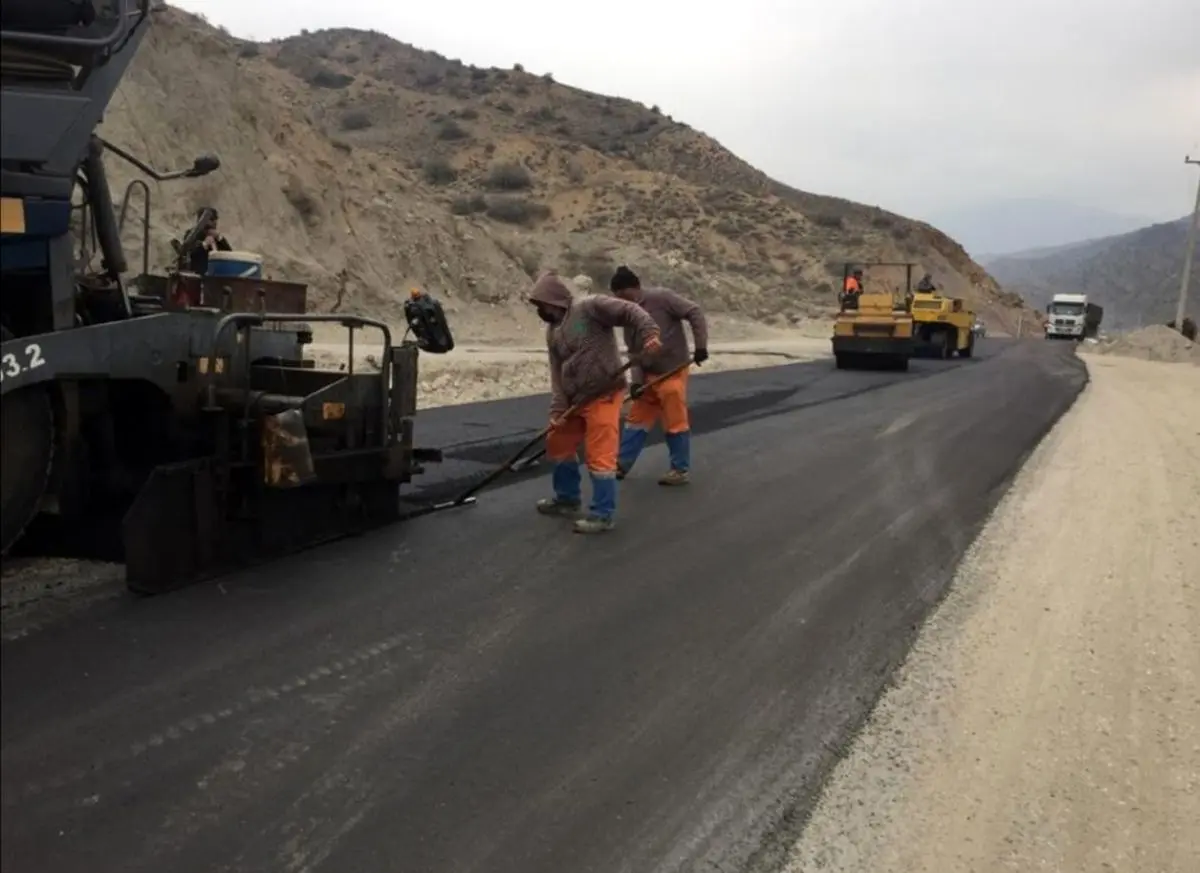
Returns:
<point x="899" y="424"/>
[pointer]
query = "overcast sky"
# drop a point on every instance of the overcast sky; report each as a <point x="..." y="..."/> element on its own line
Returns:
<point x="920" y="106"/>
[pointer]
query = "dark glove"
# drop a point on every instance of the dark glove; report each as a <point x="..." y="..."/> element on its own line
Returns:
<point x="701" y="356"/>
<point x="636" y="390"/>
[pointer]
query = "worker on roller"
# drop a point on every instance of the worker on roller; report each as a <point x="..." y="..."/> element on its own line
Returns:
<point x="587" y="389"/>
<point x="852" y="286"/>
<point x="666" y="396"/>
<point x="926" y="284"/>
<point x="211" y="240"/>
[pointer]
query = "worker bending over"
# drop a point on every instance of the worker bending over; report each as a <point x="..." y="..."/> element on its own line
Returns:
<point x="585" y="370"/>
<point x="666" y="398"/>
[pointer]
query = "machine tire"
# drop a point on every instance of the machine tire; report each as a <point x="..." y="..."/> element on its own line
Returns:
<point x="970" y="349"/>
<point x="841" y="361"/>
<point x="26" y="456"/>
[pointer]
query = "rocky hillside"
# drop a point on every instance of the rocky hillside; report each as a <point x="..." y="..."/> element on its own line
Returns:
<point x="365" y="166"/>
<point x="1135" y="276"/>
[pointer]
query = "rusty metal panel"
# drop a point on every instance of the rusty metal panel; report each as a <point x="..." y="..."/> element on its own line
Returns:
<point x="226" y="293"/>
<point x="287" y="459"/>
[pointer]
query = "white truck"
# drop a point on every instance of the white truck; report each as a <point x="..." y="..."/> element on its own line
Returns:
<point x="1071" y="316"/>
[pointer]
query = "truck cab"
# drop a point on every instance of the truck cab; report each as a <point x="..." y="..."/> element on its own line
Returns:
<point x="1072" y="316"/>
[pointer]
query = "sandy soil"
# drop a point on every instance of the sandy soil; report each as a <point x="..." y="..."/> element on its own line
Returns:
<point x="1154" y="343"/>
<point x="502" y="367"/>
<point x="1049" y="716"/>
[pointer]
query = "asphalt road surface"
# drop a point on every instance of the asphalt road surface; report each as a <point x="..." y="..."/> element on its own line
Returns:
<point x="480" y="690"/>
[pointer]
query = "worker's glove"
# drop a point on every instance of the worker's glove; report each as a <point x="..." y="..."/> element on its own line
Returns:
<point x="636" y="390"/>
<point x="700" y="356"/>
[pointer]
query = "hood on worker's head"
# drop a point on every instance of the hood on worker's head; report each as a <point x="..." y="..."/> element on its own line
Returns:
<point x="550" y="295"/>
<point x="626" y="285"/>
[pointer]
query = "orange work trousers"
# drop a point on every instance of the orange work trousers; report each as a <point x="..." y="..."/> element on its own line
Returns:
<point x="597" y="427"/>
<point x="667" y="399"/>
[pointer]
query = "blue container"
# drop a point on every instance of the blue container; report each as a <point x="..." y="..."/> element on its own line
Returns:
<point x="241" y="265"/>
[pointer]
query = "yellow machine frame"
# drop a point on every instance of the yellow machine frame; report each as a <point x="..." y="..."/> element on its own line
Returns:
<point x="942" y="326"/>
<point x="874" y="329"/>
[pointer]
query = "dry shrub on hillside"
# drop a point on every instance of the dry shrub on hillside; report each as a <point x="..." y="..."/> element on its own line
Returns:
<point x="508" y="177"/>
<point x="356" y="119"/>
<point x="323" y="78"/>
<point x="452" y="131"/>
<point x="516" y="210"/>
<point x="826" y="219"/>
<point x="468" y="205"/>
<point x="438" y="171"/>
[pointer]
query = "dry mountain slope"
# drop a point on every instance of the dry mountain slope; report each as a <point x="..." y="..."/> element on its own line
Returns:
<point x="365" y="165"/>
<point x="1134" y="275"/>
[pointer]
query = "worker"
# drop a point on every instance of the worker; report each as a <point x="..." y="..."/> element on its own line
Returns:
<point x="851" y="288"/>
<point x="926" y="284"/>
<point x="586" y="380"/>
<point x="667" y="397"/>
<point x="211" y="240"/>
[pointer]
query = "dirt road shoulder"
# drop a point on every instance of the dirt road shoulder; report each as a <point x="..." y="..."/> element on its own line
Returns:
<point x="1048" y="717"/>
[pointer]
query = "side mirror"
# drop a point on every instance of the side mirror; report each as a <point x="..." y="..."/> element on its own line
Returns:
<point x="204" y="165"/>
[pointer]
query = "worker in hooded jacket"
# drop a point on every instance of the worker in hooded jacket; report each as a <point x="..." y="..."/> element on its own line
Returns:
<point x="666" y="397"/>
<point x="585" y="370"/>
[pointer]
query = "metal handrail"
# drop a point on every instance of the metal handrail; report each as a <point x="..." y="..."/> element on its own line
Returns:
<point x="138" y="183"/>
<point x="99" y="43"/>
<point x="350" y="322"/>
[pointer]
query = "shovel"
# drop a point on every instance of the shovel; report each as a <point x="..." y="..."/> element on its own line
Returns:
<point x="516" y="463"/>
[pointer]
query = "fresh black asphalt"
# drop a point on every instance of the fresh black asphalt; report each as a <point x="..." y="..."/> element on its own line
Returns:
<point x="481" y="690"/>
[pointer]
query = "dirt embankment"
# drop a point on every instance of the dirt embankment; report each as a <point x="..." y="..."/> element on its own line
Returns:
<point x="1048" y="717"/>
<point x="365" y="166"/>
<point x="1154" y="343"/>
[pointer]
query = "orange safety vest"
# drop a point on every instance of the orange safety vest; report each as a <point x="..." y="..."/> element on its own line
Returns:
<point x="852" y="286"/>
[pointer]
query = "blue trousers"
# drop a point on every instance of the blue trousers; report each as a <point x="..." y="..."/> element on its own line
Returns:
<point x="568" y="488"/>
<point x="633" y="440"/>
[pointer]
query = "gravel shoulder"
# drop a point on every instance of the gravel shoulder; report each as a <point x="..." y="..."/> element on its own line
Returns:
<point x="1048" y="717"/>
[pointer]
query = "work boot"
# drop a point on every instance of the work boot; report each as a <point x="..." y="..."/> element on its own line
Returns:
<point x="674" y="477"/>
<point x="560" y="508"/>
<point x="622" y="472"/>
<point x="594" y="524"/>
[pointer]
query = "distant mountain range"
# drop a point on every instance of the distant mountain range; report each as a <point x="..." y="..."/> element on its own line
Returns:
<point x="1021" y="225"/>
<point x="1135" y="276"/>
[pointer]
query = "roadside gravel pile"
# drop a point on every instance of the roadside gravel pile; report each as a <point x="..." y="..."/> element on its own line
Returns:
<point x="1154" y="343"/>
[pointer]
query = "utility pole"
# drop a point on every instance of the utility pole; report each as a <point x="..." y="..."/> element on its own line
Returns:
<point x="1191" y="250"/>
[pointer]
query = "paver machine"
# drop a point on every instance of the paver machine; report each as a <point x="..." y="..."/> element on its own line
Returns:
<point x="874" y="328"/>
<point x="175" y="425"/>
